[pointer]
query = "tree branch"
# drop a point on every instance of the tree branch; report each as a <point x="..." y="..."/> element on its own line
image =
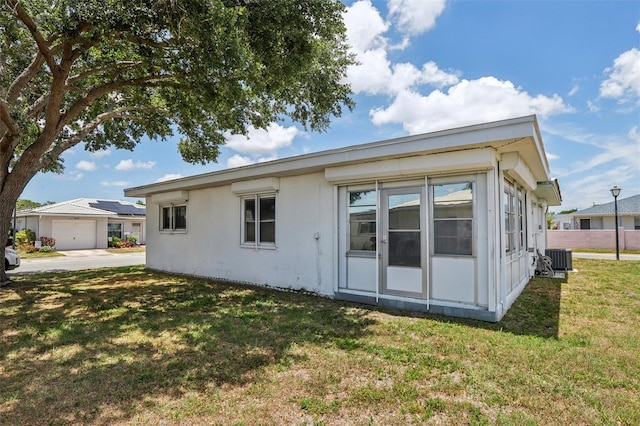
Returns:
<point x="111" y="67"/>
<point x="7" y="120"/>
<point x="147" y="81"/>
<point x="89" y="127"/>
<point x="23" y="79"/>
<point x="38" y="105"/>
<point x="43" y="45"/>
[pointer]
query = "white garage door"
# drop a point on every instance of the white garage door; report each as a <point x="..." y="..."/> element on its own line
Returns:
<point x="74" y="234"/>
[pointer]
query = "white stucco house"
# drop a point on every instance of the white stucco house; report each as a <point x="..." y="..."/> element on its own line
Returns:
<point x="85" y="223"/>
<point x="445" y="222"/>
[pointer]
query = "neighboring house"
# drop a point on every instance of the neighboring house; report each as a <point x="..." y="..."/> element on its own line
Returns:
<point x="561" y="221"/>
<point x="445" y="222"/>
<point x="603" y="216"/>
<point x="85" y="223"/>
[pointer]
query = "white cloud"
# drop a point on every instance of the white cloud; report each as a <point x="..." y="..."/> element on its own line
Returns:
<point x="624" y="77"/>
<point x="623" y="149"/>
<point x="415" y="16"/>
<point x="129" y="164"/>
<point x="552" y="157"/>
<point x="75" y="176"/>
<point x="374" y="73"/>
<point x="102" y="153"/>
<point x="261" y="141"/>
<point x="638" y="27"/>
<point x="468" y="102"/>
<point x="119" y="183"/>
<point x="87" y="166"/>
<point x="168" y="176"/>
<point x="365" y="26"/>
<point x="573" y="90"/>
<point x="239" y="160"/>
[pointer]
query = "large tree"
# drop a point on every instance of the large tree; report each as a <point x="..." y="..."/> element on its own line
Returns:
<point x="107" y="72"/>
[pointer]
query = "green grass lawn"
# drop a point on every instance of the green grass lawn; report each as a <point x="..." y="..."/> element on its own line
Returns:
<point x="129" y="346"/>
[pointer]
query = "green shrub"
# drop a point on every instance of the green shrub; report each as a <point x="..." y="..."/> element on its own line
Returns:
<point x="26" y="236"/>
<point x="133" y="240"/>
<point x="46" y="249"/>
<point x="113" y="242"/>
<point x="27" y="247"/>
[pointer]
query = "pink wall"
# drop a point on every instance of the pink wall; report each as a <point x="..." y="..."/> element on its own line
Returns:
<point x="600" y="238"/>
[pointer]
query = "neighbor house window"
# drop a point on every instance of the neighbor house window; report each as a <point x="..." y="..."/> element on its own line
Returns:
<point x="585" y="223"/>
<point x="259" y="221"/>
<point x="453" y="219"/>
<point x="362" y="221"/>
<point x="114" y="230"/>
<point x="173" y="217"/>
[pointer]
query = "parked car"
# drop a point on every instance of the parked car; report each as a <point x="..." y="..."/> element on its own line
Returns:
<point x="11" y="259"/>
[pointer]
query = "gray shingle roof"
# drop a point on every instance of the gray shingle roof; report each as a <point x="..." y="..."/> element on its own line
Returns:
<point x="626" y="207"/>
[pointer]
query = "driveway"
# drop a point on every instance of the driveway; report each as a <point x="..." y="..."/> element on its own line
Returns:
<point x="77" y="260"/>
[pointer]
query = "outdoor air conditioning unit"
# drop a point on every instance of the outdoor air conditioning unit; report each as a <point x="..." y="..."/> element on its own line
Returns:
<point x="560" y="259"/>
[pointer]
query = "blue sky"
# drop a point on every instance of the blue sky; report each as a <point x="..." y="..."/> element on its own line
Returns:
<point x="430" y="65"/>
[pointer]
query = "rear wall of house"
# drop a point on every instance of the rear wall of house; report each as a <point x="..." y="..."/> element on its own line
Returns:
<point x="211" y="246"/>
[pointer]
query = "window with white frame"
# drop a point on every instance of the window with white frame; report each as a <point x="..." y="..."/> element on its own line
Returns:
<point x="510" y="224"/>
<point x="514" y="219"/>
<point x="173" y="217"/>
<point x="259" y="221"/>
<point x="453" y="216"/>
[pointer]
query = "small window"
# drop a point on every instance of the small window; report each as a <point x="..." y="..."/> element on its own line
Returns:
<point x="259" y="221"/>
<point x="453" y="219"/>
<point x="585" y="223"/>
<point x="173" y="218"/>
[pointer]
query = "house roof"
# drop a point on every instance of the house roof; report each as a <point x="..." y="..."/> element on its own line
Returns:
<point x="87" y="207"/>
<point x="521" y="135"/>
<point x="626" y="207"/>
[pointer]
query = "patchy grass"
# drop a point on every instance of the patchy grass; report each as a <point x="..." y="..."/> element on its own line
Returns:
<point x="129" y="346"/>
<point x="38" y="254"/>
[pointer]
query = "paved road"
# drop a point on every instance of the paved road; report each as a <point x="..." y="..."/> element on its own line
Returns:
<point x="78" y="260"/>
<point x="607" y="256"/>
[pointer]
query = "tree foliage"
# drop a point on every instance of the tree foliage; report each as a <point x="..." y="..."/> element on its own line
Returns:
<point x="108" y="72"/>
<point x="24" y="204"/>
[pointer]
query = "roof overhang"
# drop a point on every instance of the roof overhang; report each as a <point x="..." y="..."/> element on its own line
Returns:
<point x="517" y="134"/>
<point x="549" y="191"/>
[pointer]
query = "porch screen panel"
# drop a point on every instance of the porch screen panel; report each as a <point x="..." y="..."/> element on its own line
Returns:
<point x="362" y="220"/>
<point x="404" y="230"/>
<point x="453" y="219"/>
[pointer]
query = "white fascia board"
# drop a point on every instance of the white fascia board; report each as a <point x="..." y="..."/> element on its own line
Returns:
<point x="495" y="134"/>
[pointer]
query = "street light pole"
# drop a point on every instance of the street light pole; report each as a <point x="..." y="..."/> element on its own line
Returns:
<point x="615" y="191"/>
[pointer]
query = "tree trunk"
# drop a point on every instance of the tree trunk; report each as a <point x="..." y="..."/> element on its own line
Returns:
<point x="9" y="195"/>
